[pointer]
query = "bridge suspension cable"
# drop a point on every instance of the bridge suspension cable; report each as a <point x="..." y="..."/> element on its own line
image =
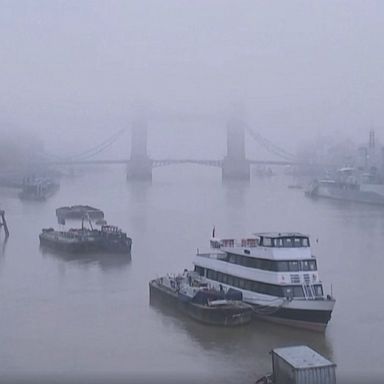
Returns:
<point x="269" y="146"/>
<point x="91" y="152"/>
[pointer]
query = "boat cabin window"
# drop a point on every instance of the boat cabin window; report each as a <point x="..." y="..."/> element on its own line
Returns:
<point x="294" y="266"/>
<point x="199" y="270"/>
<point x="318" y="290"/>
<point x="261" y="287"/>
<point x="271" y="265"/>
<point x="308" y="265"/>
<point x="298" y="292"/>
<point x="284" y="242"/>
<point x="266" y="241"/>
<point x="228" y="243"/>
<point x="215" y="244"/>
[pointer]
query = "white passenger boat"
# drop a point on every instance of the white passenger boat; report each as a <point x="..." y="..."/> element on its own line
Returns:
<point x="276" y="273"/>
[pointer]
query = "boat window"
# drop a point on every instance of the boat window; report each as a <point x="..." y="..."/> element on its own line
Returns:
<point x="305" y="242"/>
<point x="312" y="265"/>
<point x="282" y="266"/>
<point x="248" y="285"/>
<point x="293" y="266"/>
<point x="287" y="242"/>
<point x="271" y="265"/>
<point x="251" y="243"/>
<point x="318" y="290"/>
<point x="297" y="242"/>
<point x="278" y="242"/>
<point x="200" y="270"/>
<point x="265" y="288"/>
<point x="305" y="265"/>
<point x="288" y="292"/>
<point x="267" y="242"/>
<point x="298" y="292"/>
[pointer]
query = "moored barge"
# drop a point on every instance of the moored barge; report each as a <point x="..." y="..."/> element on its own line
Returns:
<point x="196" y="298"/>
<point x="107" y="239"/>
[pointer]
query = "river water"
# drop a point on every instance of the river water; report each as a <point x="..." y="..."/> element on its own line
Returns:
<point x="69" y="318"/>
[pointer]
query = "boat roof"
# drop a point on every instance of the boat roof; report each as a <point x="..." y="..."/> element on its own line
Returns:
<point x="302" y="357"/>
<point x="346" y="169"/>
<point x="279" y="234"/>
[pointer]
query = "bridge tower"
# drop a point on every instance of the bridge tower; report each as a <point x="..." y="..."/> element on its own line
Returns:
<point x="140" y="165"/>
<point x="235" y="165"/>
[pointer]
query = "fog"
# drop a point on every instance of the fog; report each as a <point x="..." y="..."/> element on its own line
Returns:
<point x="301" y="80"/>
<point x="74" y="69"/>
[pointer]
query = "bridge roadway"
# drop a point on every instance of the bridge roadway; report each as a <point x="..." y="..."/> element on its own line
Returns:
<point x="164" y="162"/>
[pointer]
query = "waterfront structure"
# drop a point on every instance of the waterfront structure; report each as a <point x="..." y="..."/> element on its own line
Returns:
<point x="299" y="365"/>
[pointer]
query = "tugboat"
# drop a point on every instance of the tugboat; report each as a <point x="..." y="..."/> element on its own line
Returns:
<point x="275" y="272"/>
<point x="108" y="239"/>
<point x="194" y="296"/>
<point x="79" y="212"/>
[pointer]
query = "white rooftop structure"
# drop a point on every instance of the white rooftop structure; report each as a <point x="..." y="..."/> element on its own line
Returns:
<point x="302" y="357"/>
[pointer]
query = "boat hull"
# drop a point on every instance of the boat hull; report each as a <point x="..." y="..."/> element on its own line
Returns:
<point x="228" y="316"/>
<point x="87" y="245"/>
<point x="358" y="196"/>
<point x="301" y="313"/>
<point x="314" y="320"/>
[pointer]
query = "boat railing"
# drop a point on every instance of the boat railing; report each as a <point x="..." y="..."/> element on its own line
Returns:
<point x="309" y="292"/>
<point x="232" y="243"/>
<point x="213" y="255"/>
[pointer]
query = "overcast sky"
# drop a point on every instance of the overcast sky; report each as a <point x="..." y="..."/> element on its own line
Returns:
<point x="300" y="68"/>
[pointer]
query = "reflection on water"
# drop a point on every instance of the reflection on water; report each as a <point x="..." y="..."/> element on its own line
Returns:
<point x="259" y="336"/>
<point x="104" y="260"/>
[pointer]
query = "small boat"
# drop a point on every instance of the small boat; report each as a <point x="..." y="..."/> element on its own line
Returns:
<point x="79" y="212"/>
<point x="196" y="298"/>
<point x="108" y="239"/>
<point x="38" y="188"/>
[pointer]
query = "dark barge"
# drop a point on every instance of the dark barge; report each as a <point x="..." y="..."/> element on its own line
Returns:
<point x="107" y="239"/>
<point x="206" y="306"/>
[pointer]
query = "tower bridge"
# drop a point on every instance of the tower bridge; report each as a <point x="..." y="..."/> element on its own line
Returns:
<point x="234" y="166"/>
